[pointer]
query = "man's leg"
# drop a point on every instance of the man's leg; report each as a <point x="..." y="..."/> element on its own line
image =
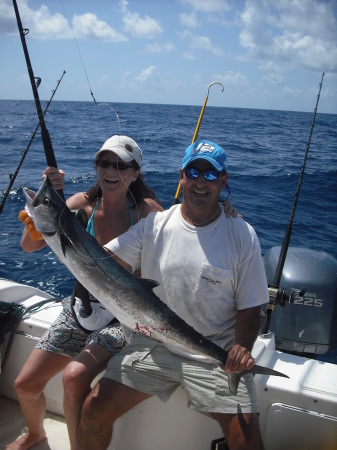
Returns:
<point x="39" y="368"/>
<point x="241" y="431"/>
<point x="106" y="402"/>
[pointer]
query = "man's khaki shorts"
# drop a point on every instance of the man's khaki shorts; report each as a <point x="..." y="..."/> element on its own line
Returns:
<point x="148" y="366"/>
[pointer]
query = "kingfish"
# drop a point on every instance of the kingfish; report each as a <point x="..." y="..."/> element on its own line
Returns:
<point x="131" y="300"/>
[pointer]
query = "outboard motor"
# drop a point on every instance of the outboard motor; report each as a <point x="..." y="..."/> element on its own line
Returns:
<point x="307" y="324"/>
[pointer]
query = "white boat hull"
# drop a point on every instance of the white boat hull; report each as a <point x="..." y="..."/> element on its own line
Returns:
<point x="296" y="413"/>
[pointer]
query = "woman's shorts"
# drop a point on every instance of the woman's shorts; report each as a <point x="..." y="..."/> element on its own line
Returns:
<point x="65" y="337"/>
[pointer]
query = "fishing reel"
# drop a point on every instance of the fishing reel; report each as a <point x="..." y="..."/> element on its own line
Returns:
<point x="278" y="296"/>
<point x="81" y="216"/>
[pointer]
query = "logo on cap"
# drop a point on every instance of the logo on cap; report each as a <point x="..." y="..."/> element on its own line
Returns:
<point x="204" y="148"/>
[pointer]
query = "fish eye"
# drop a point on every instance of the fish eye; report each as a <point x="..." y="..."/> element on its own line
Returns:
<point x="46" y="201"/>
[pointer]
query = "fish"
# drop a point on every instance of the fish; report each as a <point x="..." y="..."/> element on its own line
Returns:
<point x="130" y="299"/>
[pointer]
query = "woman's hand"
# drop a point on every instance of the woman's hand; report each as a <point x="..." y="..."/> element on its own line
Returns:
<point x="56" y="177"/>
<point x="229" y="209"/>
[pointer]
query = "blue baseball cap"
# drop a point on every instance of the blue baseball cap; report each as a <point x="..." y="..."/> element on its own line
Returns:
<point x="207" y="150"/>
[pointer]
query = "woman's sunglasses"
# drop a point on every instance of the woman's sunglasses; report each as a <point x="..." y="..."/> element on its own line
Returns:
<point x="209" y="175"/>
<point x="104" y="164"/>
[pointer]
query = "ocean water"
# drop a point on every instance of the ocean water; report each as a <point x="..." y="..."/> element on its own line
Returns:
<point x="265" y="152"/>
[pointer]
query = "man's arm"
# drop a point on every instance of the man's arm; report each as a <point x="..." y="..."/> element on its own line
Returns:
<point x="247" y="326"/>
<point x="246" y="331"/>
<point x="119" y="260"/>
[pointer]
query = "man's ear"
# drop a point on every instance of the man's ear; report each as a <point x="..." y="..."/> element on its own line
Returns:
<point x="181" y="177"/>
<point x="224" y="180"/>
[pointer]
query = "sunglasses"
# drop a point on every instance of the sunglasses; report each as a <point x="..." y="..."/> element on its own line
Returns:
<point x="209" y="175"/>
<point x="104" y="164"/>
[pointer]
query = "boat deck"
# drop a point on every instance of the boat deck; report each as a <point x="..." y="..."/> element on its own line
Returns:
<point x="13" y="425"/>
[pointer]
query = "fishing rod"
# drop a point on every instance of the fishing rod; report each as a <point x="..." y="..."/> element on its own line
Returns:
<point x="47" y="145"/>
<point x="24" y="153"/>
<point x="277" y="294"/>
<point x="177" y="194"/>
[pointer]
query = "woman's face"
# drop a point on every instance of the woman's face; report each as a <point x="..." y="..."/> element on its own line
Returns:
<point x="114" y="174"/>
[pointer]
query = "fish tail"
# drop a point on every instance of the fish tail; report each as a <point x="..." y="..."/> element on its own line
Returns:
<point x="233" y="382"/>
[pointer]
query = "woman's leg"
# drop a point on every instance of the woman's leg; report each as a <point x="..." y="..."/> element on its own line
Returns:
<point x="77" y="379"/>
<point x="102" y="345"/>
<point x="39" y="368"/>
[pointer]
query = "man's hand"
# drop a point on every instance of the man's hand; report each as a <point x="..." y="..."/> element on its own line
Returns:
<point x="239" y="359"/>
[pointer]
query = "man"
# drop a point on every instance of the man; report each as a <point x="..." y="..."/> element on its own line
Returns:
<point x="210" y="272"/>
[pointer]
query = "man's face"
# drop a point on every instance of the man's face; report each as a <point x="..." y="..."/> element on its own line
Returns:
<point x="199" y="192"/>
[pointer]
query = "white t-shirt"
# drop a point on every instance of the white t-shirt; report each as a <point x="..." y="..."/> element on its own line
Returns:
<point x="205" y="274"/>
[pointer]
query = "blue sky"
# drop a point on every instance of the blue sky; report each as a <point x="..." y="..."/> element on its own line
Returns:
<point x="267" y="54"/>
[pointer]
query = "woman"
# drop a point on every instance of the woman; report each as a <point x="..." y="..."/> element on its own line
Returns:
<point x="119" y="199"/>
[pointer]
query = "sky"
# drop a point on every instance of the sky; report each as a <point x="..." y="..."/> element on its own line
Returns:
<point x="267" y="54"/>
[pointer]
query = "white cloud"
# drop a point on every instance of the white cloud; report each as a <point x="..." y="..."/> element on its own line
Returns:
<point x="126" y="80"/>
<point x="159" y="48"/>
<point x="273" y="78"/>
<point x="291" y="31"/>
<point x="230" y="79"/>
<point x="142" y="27"/>
<point x="89" y="26"/>
<point x="104" y="81"/>
<point x="207" y="6"/>
<point x="202" y="43"/>
<point x="41" y="23"/>
<point x="8" y="23"/>
<point x="123" y="5"/>
<point x="189" y="56"/>
<point x="148" y="74"/>
<point x="189" y="20"/>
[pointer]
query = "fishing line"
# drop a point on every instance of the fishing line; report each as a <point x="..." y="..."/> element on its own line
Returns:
<point x="24" y="152"/>
<point x="80" y="255"/>
<point x="99" y="104"/>
<point x="178" y="191"/>
<point x="276" y="293"/>
<point x="286" y="241"/>
<point x="119" y="133"/>
<point x="47" y="145"/>
<point x="78" y="49"/>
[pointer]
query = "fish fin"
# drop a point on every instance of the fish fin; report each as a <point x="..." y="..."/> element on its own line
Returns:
<point x="63" y="241"/>
<point x="149" y="284"/>
<point x="233" y="382"/>
<point x="266" y="371"/>
<point x="234" y="378"/>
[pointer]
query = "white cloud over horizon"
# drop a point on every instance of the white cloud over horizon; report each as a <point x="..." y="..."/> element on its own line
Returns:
<point x="283" y="46"/>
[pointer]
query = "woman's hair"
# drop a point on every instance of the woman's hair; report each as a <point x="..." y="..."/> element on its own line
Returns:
<point x="137" y="191"/>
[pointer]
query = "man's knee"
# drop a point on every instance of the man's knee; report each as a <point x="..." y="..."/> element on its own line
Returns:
<point x="96" y="405"/>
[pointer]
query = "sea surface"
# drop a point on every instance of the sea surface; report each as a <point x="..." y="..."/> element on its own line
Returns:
<point x="265" y="150"/>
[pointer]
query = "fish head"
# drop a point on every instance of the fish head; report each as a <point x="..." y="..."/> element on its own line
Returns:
<point x="44" y="207"/>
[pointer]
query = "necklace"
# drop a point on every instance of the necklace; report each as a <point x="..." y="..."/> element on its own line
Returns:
<point x="199" y="224"/>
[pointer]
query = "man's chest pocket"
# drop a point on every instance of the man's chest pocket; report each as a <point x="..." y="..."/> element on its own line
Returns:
<point x="214" y="281"/>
